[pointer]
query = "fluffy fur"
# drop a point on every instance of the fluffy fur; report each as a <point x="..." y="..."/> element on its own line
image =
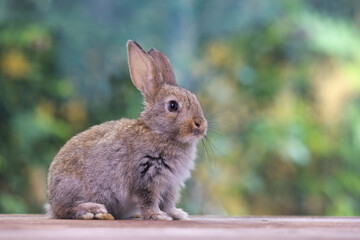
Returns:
<point x="117" y="168"/>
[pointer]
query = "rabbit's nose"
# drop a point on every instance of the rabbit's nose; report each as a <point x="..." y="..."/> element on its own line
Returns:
<point x="199" y="126"/>
<point x="198" y="123"/>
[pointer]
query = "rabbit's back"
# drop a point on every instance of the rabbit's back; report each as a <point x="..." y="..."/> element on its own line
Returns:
<point x="71" y="157"/>
<point x="88" y="165"/>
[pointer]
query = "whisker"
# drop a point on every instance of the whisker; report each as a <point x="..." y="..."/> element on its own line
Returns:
<point x="213" y="127"/>
<point x="208" y="149"/>
<point x="215" y="114"/>
<point x="212" y="145"/>
<point x="212" y="152"/>
<point x="214" y="131"/>
<point x="221" y="114"/>
<point x="205" y="149"/>
<point x="216" y="122"/>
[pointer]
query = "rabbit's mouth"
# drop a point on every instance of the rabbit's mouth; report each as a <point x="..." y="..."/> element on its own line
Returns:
<point x="199" y="133"/>
<point x="193" y="136"/>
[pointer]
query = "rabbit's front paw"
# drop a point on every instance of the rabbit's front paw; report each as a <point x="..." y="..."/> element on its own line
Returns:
<point x="178" y="214"/>
<point x="156" y="216"/>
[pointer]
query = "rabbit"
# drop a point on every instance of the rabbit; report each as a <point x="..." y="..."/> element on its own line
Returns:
<point x="121" y="168"/>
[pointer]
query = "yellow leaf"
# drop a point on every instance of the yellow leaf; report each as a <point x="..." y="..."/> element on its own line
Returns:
<point x="14" y="64"/>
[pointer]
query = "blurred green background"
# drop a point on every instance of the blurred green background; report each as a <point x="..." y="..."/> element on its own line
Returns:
<point x="279" y="80"/>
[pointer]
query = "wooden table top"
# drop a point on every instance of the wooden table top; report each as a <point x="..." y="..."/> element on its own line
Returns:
<point x="198" y="227"/>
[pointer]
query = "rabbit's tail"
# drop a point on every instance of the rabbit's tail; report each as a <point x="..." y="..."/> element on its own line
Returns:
<point x="48" y="211"/>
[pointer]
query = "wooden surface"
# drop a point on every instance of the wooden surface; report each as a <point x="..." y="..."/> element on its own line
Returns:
<point x="199" y="227"/>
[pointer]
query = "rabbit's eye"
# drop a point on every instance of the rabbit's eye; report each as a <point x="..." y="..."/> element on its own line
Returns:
<point x="173" y="106"/>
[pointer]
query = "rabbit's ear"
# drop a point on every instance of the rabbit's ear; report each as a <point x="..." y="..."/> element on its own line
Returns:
<point x="144" y="72"/>
<point x="164" y="64"/>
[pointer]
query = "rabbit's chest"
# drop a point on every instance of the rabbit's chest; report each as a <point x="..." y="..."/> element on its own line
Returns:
<point x="152" y="166"/>
<point x="163" y="167"/>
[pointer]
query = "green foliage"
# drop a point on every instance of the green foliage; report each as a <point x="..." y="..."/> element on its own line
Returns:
<point x="278" y="80"/>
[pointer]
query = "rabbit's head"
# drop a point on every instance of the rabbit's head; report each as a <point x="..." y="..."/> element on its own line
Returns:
<point x="170" y="110"/>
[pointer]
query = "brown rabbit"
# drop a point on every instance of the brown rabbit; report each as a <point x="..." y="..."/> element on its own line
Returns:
<point x="117" y="168"/>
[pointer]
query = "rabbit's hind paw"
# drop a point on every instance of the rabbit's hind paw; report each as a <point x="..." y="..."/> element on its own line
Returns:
<point x="88" y="211"/>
